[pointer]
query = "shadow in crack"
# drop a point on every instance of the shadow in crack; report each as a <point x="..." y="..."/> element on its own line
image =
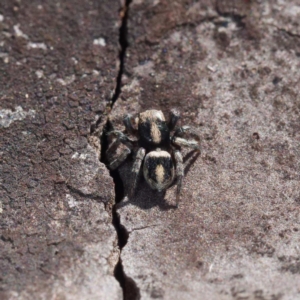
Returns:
<point x="128" y="285"/>
<point x="130" y="289"/>
<point x="146" y="198"/>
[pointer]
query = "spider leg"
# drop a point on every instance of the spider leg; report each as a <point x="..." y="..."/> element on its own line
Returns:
<point x="128" y="124"/>
<point x="181" y="142"/>
<point x="174" y="117"/>
<point x="136" y="169"/>
<point x="119" y="148"/>
<point x="120" y="136"/>
<point x="181" y="131"/>
<point x="116" y="154"/>
<point x="179" y="174"/>
<point x="178" y="140"/>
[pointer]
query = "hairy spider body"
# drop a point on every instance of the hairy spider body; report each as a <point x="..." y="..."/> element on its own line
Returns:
<point x="158" y="151"/>
<point x="153" y="130"/>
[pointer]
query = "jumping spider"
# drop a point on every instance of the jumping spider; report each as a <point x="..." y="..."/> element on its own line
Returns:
<point x="158" y="149"/>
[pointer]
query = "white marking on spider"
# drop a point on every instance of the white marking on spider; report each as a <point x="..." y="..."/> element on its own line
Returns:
<point x="159" y="153"/>
<point x="155" y="133"/>
<point x="160" y="173"/>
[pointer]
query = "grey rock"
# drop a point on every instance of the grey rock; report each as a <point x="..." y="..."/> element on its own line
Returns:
<point x="233" y="72"/>
<point x="57" y="240"/>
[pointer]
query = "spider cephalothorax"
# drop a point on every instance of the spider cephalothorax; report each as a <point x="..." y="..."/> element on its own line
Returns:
<point x="153" y="129"/>
<point x="158" y="150"/>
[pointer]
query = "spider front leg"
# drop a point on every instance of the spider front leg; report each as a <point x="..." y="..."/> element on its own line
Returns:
<point x="128" y="124"/>
<point x="174" y="117"/>
<point x="118" y="150"/>
<point x="179" y="174"/>
<point x="116" y="154"/>
<point x="179" y="141"/>
<point x="136" y="169"/>
<point x="180" y="131"/>
<point x="119" y="135"/>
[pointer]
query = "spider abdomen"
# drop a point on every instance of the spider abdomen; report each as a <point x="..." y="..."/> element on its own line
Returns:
<point x="158" y="169"/>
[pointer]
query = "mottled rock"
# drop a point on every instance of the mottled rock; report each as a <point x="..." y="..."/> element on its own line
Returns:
<point x="232" y="69"/>
<point x="56" y="236"/>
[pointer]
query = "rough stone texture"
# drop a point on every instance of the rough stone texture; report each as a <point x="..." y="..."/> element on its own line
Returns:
<point x="58" y="66"/>
<point x="232" y="68"/>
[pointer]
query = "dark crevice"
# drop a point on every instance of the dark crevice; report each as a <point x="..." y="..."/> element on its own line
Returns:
<point x="123" y="41"/>
<point x="130" y="289"/>
<point x="124" y="44"/>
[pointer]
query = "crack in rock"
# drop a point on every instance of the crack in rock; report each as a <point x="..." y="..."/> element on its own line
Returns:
<point x="128" y="285"/>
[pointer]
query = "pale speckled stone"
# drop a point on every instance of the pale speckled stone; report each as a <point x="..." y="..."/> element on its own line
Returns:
<point x="235" y="234"/>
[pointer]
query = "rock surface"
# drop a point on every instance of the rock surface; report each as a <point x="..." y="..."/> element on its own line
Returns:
<point x="232" y="69"/>
<point x="58" y="66"/>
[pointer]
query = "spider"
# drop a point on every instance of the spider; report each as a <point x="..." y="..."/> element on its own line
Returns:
<point x="158" y="150"/>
